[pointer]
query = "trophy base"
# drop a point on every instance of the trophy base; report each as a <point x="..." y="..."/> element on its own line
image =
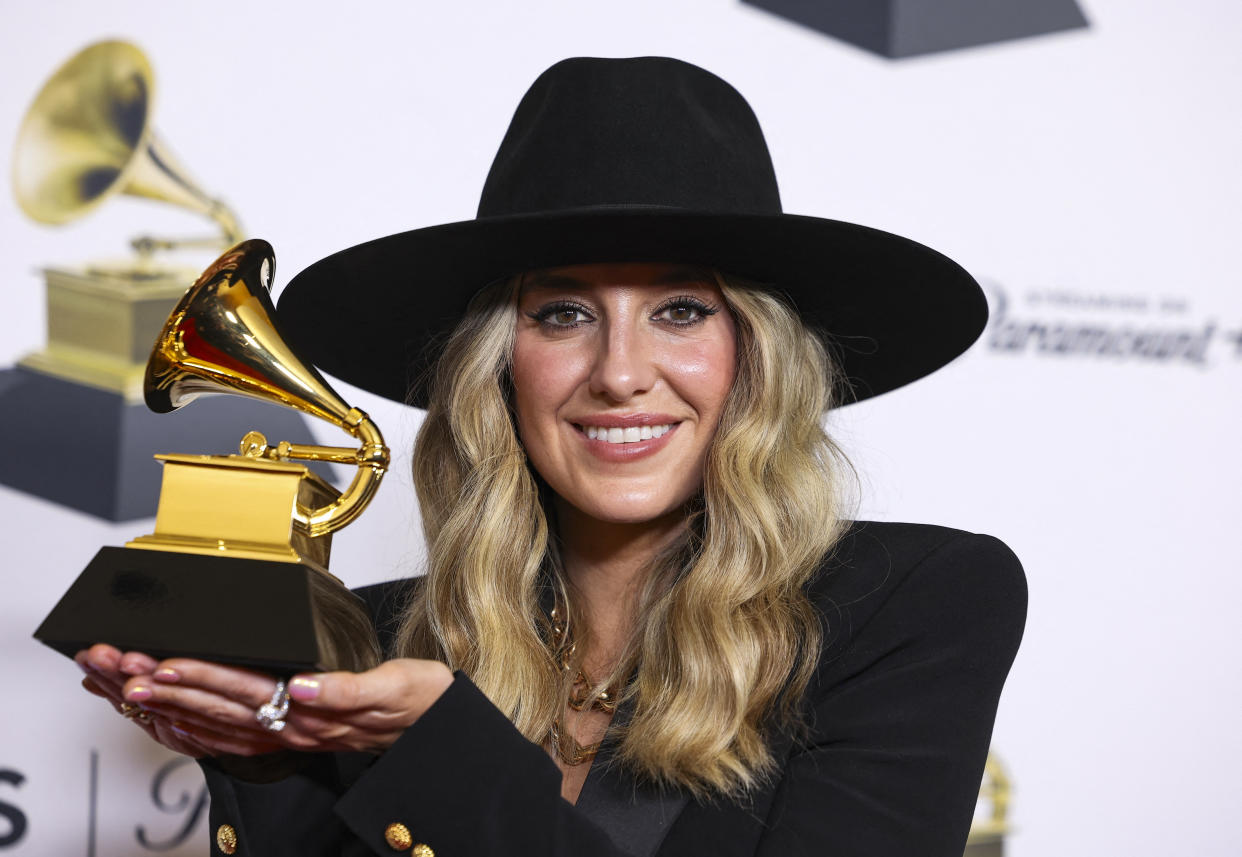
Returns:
<point x="246" y="612"/>
<point x="104" y="446"/>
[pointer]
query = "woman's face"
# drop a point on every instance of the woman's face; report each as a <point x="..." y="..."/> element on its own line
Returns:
<point x="620" y="372"/>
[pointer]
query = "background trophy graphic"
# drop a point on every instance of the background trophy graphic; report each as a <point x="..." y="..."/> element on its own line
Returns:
<point x="905" y="28"/>
<point x="237" y="568"/>
<point x="86" y="138"/>
<point x="991" y="822"/>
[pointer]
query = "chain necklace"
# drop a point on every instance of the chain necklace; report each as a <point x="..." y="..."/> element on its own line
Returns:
<point x="567" y="748"/>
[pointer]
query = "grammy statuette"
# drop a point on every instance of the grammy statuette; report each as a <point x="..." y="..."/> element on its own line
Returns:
<point x="237" y="568"/>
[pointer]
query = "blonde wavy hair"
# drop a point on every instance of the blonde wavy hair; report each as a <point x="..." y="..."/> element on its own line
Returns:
<point x="726" y="639"/>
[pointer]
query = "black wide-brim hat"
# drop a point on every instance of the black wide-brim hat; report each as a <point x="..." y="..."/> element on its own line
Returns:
<point x="648" y="159"/>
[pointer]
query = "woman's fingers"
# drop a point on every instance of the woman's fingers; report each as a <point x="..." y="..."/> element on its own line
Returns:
<point x="209" y="705"/>
<point x="103" y="658"/>
<point x="102" y="661"/>
<point x="333" y="725"/>
<point x="105" y="690"/>
<point x="186" y="720"/>
<point x="159" y="728"/>
<point x="110" y="664"/>
<point x="362" y="711"/>
<point x="177" y="739"/>
<point x="136" y="663"/>
<point x="218" y="703"/>
<point x="214" y="706"/>
<point x="246" y="687"/>
<point x="398" y="690"/>
<point x="214" y="741"/>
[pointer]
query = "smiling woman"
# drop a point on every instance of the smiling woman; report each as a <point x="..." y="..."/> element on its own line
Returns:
<point x="646" y="624"/>
<point x="605" y="354"/>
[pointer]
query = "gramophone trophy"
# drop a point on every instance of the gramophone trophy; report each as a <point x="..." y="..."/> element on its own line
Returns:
<point x="237" y="568"/>
<point x="87" y="138"/>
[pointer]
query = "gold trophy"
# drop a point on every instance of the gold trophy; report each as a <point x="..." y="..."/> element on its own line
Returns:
<point x="237" y="568"/>
<point x="87" y="138"/>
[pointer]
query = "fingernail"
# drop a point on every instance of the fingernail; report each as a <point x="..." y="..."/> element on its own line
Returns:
<point x="166" y="674"/>
<point x="304" y="688"/>
<point x="139" y="694"/>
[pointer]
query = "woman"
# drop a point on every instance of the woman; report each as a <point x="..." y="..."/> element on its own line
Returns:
<point x="666" y="637"/>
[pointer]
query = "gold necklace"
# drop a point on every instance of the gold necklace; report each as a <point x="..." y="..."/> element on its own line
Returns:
<point x="575" y="754"/>
<point x="566" y="746"/>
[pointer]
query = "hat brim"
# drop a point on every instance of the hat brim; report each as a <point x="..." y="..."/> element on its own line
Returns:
<point x="893" y="309"/>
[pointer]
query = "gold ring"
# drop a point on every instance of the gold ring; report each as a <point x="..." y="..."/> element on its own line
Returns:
<point x="144" y="716"/>
<point x="129" y="710"/>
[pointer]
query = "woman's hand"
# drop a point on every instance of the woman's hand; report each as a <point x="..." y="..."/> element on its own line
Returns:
<point x="213" y="707"/>
<point x="107" y="670"/>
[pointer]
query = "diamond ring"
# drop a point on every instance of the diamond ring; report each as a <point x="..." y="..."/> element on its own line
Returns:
<point x="272" y="714"/>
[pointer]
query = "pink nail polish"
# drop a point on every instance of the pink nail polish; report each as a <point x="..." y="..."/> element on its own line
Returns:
<point x="139" y="694"/>
<point x="304" y="688"/>
<point x="166" y="674"/>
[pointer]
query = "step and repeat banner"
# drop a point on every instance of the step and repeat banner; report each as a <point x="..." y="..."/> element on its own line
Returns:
<point x="1079" y="158"/>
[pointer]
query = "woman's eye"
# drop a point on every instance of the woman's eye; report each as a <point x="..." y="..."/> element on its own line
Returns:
<point x="684" y="312"/>
<point x="561" y="315"/>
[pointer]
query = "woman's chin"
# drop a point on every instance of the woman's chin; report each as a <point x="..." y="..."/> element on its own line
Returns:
<point x="618" y="511"/>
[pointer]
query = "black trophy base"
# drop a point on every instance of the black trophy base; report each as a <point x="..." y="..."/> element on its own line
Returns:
<point x="252" y="613"/>
<point x="904" y="28"/>
<point x="105" y="446"/>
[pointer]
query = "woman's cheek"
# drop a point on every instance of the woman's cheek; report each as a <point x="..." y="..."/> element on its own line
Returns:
<point x="703" y="374"/>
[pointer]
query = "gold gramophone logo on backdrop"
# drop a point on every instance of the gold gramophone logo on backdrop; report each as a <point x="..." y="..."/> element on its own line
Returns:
<point x="86" y="138"/>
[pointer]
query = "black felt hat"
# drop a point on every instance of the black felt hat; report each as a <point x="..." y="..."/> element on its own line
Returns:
<point x="633" y="160"/>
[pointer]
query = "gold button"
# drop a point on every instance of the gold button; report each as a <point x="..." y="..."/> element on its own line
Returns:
<point x="421" y="850"/>
<point x="398" y="836"/>
<point x="226" y="838"/>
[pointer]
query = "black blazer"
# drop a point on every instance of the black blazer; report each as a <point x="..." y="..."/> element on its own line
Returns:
<point x="922" y="625"/>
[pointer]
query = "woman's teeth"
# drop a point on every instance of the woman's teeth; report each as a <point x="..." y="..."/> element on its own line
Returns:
<point x="631" y="434"/>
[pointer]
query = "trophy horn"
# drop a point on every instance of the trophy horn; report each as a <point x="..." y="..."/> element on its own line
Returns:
<point x="222" y="337"/>
<point x="88" y="135"/>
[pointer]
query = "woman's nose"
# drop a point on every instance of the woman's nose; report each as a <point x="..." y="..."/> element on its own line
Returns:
<point x="624" y="365"/>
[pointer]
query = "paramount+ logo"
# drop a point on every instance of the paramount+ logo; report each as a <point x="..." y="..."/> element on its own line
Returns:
<point x="1062" y="323"/>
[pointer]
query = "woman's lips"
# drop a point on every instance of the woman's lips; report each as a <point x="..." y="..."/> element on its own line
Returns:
<point x="626" y="442"/>
<point x="627" y="434"/>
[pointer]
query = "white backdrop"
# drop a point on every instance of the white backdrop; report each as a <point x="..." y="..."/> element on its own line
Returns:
<point x="1091" y="178"/>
